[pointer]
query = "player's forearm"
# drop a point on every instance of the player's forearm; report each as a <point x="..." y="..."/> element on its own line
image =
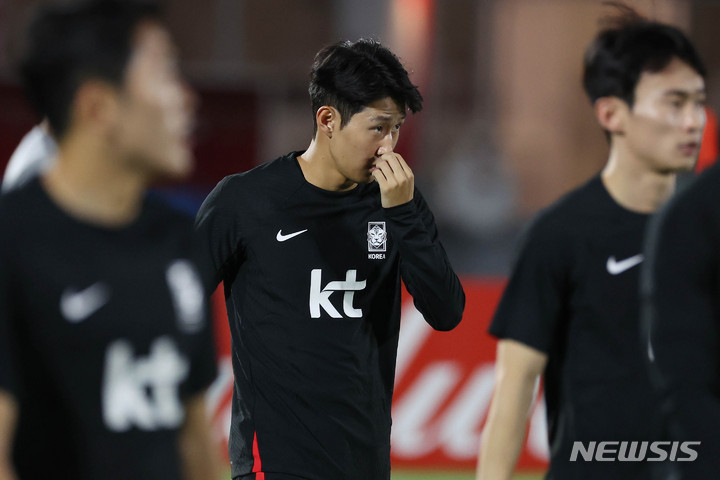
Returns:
<point x="518" y="367"/>
<point x="502" y="438"/>
<point x="201" y="460"/>
<point x="436" y="291"/>
<point x="426" y="270"/>
<point x="7" y="473"/>
<point x="8" y="419"/>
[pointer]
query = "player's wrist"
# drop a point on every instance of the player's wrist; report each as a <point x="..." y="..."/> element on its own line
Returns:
<point x="387" y="203"/>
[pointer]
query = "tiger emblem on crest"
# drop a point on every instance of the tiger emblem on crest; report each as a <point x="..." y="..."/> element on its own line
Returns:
<point x="376" y="237"/>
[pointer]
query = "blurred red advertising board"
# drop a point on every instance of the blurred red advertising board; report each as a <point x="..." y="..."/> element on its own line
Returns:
<point x="444" y="384"/>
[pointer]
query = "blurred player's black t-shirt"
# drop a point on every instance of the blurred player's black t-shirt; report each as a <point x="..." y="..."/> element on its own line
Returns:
<point x="103" y="333"/>
<point x="573" y="294"/>
<point x="312" y="282"/>
<point x="682" y="319"/>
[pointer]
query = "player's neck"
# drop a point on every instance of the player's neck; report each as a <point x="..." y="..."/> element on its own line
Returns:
<point x="319" y="169"/>
<point x="91" y="185"/>
<point x="633" y="185"/>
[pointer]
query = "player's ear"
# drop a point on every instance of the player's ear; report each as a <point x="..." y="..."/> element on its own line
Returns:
<point x="611" y="113"/>
<point x="328" y="120"/>
<point x="95" y="105"/>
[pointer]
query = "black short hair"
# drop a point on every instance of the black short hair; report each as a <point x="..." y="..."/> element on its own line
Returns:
<point x="69" y="44"/>
<point x="629" y="45"/>
<point x="351" y="75"/>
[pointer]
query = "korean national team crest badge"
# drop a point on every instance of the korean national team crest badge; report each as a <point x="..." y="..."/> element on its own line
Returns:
<point x="187" y="295"/>
<point x="377" y="240"/>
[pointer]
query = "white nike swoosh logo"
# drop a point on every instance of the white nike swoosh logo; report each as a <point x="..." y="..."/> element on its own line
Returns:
<point x="281" y="238"/>
<point x="77" y="306"/>
<point x="615" y="267"/>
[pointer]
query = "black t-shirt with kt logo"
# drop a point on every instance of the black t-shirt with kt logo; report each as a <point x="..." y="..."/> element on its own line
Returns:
<point x="103" y="334"/>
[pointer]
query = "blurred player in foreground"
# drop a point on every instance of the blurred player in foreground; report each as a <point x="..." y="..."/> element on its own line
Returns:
<point x="106" y="347"/>
<point x="311" y="248"/>
<point x="681" y="320"/>
<point x="571" y="308"/>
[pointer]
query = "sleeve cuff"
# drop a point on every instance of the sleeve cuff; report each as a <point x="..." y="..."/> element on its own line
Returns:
<point x="400" y="210"/>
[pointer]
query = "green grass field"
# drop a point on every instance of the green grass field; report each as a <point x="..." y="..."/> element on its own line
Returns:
<point x="446" y="475"/>
<point x="450" y="475"/>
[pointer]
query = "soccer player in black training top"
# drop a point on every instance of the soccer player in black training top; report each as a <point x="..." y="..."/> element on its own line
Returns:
<point x="681" y="320"/>
<point x="311" y="248"/>
<point x="571" y="308"/>
<point x="106" y="347"/>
